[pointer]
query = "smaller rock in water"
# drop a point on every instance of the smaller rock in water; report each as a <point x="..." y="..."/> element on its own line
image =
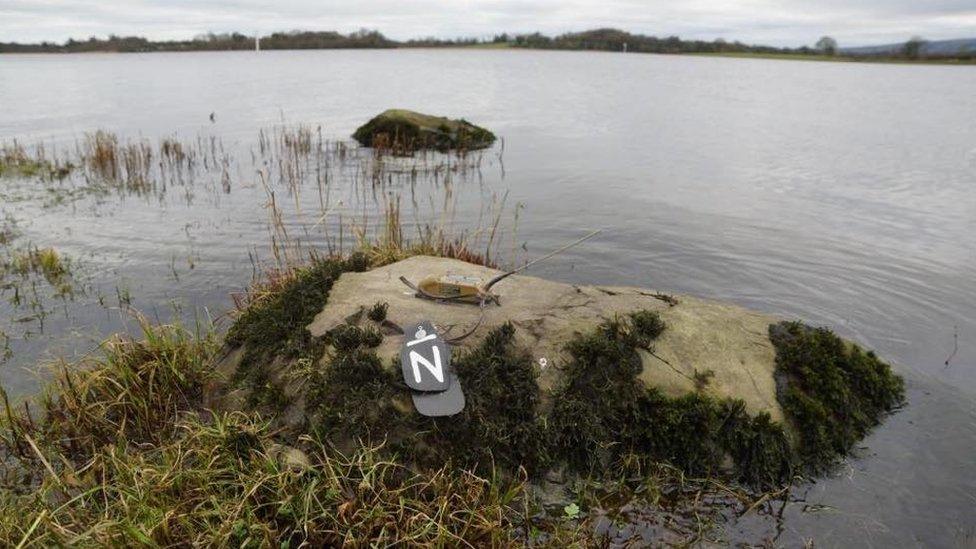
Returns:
<point x="403" y="131"/>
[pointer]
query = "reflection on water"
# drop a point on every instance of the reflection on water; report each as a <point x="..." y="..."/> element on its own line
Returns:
<point x="837" y="193"/>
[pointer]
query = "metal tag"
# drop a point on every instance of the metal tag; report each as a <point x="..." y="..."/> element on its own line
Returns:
<point x="444" y="403"/>
<point x="425" y="359"/>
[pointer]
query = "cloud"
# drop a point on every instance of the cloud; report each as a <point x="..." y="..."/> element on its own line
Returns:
<point x="784" y="23"/>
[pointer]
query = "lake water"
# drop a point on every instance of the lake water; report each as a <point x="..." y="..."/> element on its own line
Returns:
<point x="842" y="194"/>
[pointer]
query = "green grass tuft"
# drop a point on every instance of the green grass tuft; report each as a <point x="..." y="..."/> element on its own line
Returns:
<point x="377" y="313"/>
<point x="122" y="452"/>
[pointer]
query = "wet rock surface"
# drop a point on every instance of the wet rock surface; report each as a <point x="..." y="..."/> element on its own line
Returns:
<point x="718" y="348"/>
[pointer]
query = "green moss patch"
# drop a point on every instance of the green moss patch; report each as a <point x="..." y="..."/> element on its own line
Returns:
<point x="603" y="415"/>
<point x="832" y="392"/>
<point x="501" y="423"/>
<point x="275" y="326"/>
<point x="354" y="397"/>
<point x="406" y="131"/>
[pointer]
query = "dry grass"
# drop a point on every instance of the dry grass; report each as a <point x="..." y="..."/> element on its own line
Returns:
<point x="122" y="452"/>
<point x="128" y="165"/>
<point x="386" y="243"/>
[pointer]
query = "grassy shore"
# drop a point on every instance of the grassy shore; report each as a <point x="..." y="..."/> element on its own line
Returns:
<point x="122" y="449"/>
<point x="838" y="58"/>
<point x="744" y="55"/>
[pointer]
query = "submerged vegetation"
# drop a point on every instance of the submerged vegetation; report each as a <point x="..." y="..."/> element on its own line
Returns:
<point x="284" y="157"/>
<point x="24" y="274"/>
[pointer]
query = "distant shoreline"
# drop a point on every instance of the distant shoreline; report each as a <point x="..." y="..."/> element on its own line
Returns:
<point x="841" y="58"/>
<point x="915" y="51"/>
<point x="489" y="46"/>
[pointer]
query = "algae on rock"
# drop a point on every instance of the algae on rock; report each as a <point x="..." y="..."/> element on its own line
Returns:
<point x="405" y="131"/>
<point x="832" y="391"/>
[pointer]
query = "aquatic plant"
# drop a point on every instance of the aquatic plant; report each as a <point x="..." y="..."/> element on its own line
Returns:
<point x="45" y="262"/>
<point x="127" y="165"/>
<point x="15" y="161"/>
<point x="832" y="391"/>
<point x="5" y="351"/>
<point x="385" y="242"/>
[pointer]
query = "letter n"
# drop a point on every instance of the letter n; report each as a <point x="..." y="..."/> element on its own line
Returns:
<point x="434" y="368"/>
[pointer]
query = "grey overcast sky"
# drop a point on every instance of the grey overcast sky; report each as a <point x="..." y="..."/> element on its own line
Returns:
<point x="780" y="23"/>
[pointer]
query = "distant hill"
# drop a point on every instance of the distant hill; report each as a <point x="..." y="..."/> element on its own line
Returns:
<point x="935" y="47"/>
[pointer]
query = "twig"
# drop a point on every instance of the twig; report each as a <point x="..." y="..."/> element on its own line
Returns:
<point x="955" y="345"/>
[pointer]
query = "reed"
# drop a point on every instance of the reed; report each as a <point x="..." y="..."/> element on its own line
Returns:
<point x="16" y="161"/>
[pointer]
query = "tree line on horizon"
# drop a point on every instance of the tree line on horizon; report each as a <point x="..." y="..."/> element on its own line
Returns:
<point x="605" y="39"/>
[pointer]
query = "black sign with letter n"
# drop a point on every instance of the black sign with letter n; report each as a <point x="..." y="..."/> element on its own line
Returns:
<point x="425" y="360"/>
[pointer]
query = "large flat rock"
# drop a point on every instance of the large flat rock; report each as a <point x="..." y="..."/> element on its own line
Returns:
<point x="701" y="335"/>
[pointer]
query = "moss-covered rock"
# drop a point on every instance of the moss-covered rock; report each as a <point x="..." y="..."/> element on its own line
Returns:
<point x="596" y="414"/>
<point x="405" y="131"/>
